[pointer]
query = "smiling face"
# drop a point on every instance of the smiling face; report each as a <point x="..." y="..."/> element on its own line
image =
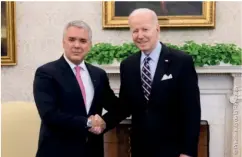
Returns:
<point x="76" y="44"/>
<point x="145" y="31"/>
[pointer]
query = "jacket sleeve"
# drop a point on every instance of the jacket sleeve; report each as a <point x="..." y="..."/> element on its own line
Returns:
<point x="46" y="101"/>
<point x="190" y="107"/>
<point x="120" y="109"/>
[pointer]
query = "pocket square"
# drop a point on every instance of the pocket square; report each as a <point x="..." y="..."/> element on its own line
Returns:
<point x="166" y="77"/>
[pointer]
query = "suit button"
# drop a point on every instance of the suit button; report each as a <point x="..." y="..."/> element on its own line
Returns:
<point x="86" y="139"/>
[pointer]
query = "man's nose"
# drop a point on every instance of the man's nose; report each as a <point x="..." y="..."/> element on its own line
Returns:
<point x="140" y="35"/>
<point x="77" y="44"/>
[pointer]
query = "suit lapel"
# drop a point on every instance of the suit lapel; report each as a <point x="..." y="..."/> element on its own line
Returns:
<point x="71" y="80"/>
<point x="95" y="81"/>
<point x="161" y="69"/>
<point x="94" y="76"/>
<point x="137" y="74"/>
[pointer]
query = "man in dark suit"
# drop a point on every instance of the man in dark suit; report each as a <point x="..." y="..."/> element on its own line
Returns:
<point x="70" y="95"/>
<point x="159" y="88"/>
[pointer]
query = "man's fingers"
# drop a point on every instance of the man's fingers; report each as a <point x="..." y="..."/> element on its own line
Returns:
<point x="91" y="117"/>
<point x="97" y="117"/>
<point x="94" y="120"/>
<point x="96" y="130"/>
<point x="97" y="121"/>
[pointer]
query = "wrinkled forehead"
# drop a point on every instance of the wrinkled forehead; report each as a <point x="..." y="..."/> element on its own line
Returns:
<point x="141" y="19"/>
<point x="141" y="24"/>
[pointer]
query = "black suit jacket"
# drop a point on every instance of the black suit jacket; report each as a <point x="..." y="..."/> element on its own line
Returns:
<point x="169" y="124"/>
<point x="58" y="97"/>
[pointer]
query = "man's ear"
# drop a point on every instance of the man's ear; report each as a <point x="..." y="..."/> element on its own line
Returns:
<point x="158" y="28"/>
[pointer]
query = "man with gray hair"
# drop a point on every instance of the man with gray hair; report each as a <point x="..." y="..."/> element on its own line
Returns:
<point x="159" y="88"/>
<point x="70" y="94"/>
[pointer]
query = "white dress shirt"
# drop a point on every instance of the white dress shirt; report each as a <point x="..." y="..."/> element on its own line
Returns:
<point x="154" y="55"/>
<point x="87" y="82"/>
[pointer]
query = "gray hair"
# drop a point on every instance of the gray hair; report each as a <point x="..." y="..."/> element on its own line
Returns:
<point x="79" y="24"/>
<point x="145" y="10"/>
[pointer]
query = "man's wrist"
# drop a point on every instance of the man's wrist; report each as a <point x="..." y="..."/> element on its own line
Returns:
<point x="89" y="123"/>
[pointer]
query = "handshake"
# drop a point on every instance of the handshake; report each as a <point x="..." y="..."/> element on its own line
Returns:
<point x="97" y="124"/>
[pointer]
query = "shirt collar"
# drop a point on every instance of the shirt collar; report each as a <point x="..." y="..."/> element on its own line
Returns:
<point x="154" y="55"/>
<point x="72" y="65"/>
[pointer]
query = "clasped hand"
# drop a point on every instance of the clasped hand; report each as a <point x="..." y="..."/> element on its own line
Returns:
<point x="98" y="124"/>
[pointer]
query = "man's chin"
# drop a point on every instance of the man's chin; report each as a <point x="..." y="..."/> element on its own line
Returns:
<point x="143" y="49"/>
<point x="76" y="60"/>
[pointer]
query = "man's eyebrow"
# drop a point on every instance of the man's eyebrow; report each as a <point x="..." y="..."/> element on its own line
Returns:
<point x="76" y="38"/>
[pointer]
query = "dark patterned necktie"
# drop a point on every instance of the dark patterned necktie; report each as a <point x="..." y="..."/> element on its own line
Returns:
<point x="146" y="78"/>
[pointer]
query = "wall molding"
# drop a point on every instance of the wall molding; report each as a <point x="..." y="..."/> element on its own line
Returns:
<point x="236" y="101"/>
<point x="216" y="70"/>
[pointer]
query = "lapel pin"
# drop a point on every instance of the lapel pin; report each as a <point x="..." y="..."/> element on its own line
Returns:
<point x="166" y="60"/>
